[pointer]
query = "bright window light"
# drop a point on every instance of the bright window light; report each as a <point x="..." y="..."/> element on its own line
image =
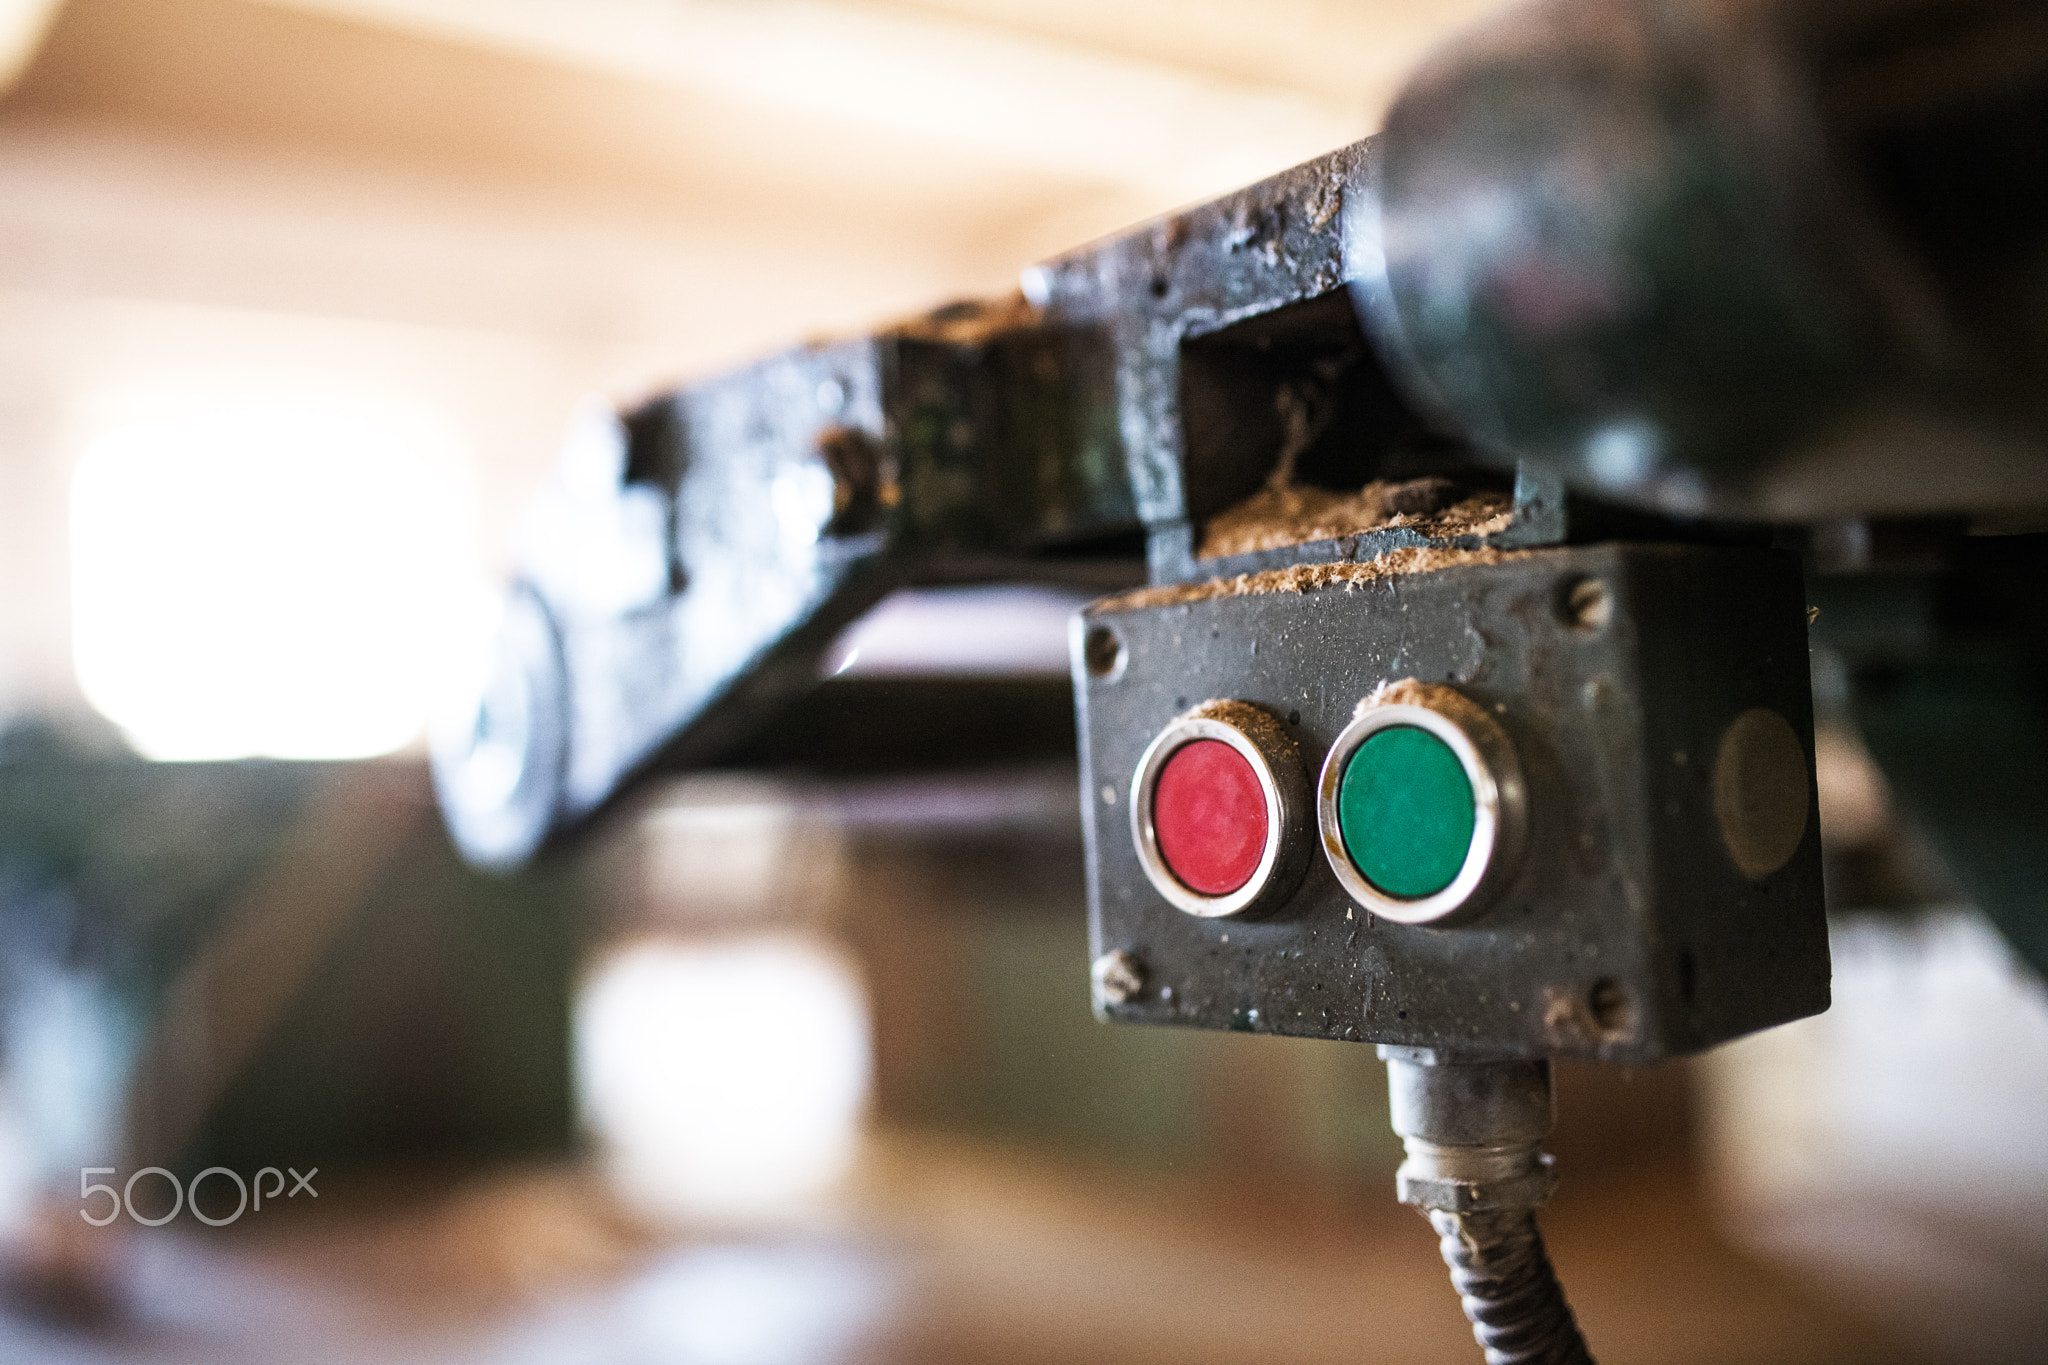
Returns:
<point x="262" y="576"/>
<point x="725" y="1080"/>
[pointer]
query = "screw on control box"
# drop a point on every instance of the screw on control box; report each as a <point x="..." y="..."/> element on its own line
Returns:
<point x="1651" y="884"/>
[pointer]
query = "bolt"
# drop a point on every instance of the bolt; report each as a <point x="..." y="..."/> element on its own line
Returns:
<point x="1119" y="976"/>
<point x="1586" y="604"/>
<point x="1609" y="1006"/>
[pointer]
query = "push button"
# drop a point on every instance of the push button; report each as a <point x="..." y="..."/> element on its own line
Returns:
<point x="1405" y="807"/>
<point x="1219" y="811"/>
<point x="1209" y="810"/>
<point x="1421" y="804"/>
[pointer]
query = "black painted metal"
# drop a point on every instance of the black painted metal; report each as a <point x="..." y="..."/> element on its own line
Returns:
<point x="1603" y="220"/>
<point x="1008" y="440"/>
<point x="976" y="443"/>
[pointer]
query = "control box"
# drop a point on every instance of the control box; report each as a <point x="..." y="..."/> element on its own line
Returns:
<point x="1512" y="803"/>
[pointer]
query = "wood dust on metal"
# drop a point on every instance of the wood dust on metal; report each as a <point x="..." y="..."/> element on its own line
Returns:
<point x="1307" y="577"/>
<point x="1287" y="513"/>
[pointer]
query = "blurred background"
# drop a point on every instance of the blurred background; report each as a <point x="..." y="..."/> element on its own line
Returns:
<point x="795" y="1064"/>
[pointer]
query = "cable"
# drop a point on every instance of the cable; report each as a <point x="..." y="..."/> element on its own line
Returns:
<point x="1502" y="1274"/>
<point x="1474" y="1132"/>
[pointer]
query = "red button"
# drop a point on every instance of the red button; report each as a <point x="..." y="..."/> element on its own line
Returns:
<point x="1209" y="815"/>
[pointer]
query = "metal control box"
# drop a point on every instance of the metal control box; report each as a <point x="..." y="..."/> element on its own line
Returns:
<point x="1648" y="715"/>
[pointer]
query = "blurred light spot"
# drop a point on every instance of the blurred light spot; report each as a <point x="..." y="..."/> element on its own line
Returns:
<point x="1897" y="1145"/>
<point x="269" y="576"/>
<point x="597" y="542"/>
<point x="723" y="1079"/>
<point x="721" y="848"/>
<point x="1855" y="804"/>
<point x="959" y="630"/>
<point x="756" y="1305"/>
<point x="68" y="1050"/>
<point x="802" y="498"/>
<point x="1621" y="453"/>
<point x="23" y="25"/>
<point x="1924" y="1078"/>
<point x="1041" y="103"/>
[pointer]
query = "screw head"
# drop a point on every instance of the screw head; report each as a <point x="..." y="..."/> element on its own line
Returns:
<point x="1119" y="977"/>
<point x="1586" y="605"/>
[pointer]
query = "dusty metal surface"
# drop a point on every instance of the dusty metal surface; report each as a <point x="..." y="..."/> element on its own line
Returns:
<point x="1136" y="389"/>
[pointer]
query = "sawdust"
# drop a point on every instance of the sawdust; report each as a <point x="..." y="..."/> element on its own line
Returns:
<point x="1307" y="577"/>
<point x="1286" y="513"/>
<point x="1256" y="721"/>
<point x="1404" y="692"/>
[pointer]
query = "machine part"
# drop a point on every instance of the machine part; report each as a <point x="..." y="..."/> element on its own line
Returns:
<point x="778" y="503"/>
<point x="1624" y="930"/>
<point x="1421" y="805"/>
<point x="1599" y="222"/>
<point x="1242" y="373"/>
<point x="1219" y="811"/>
<point x="1710" y="219"/>
<point x="1143" y="385"/>
<point x="1476" y="1169"/>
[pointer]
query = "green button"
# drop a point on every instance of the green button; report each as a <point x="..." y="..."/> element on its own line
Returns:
<point x="1405" y="809"/>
